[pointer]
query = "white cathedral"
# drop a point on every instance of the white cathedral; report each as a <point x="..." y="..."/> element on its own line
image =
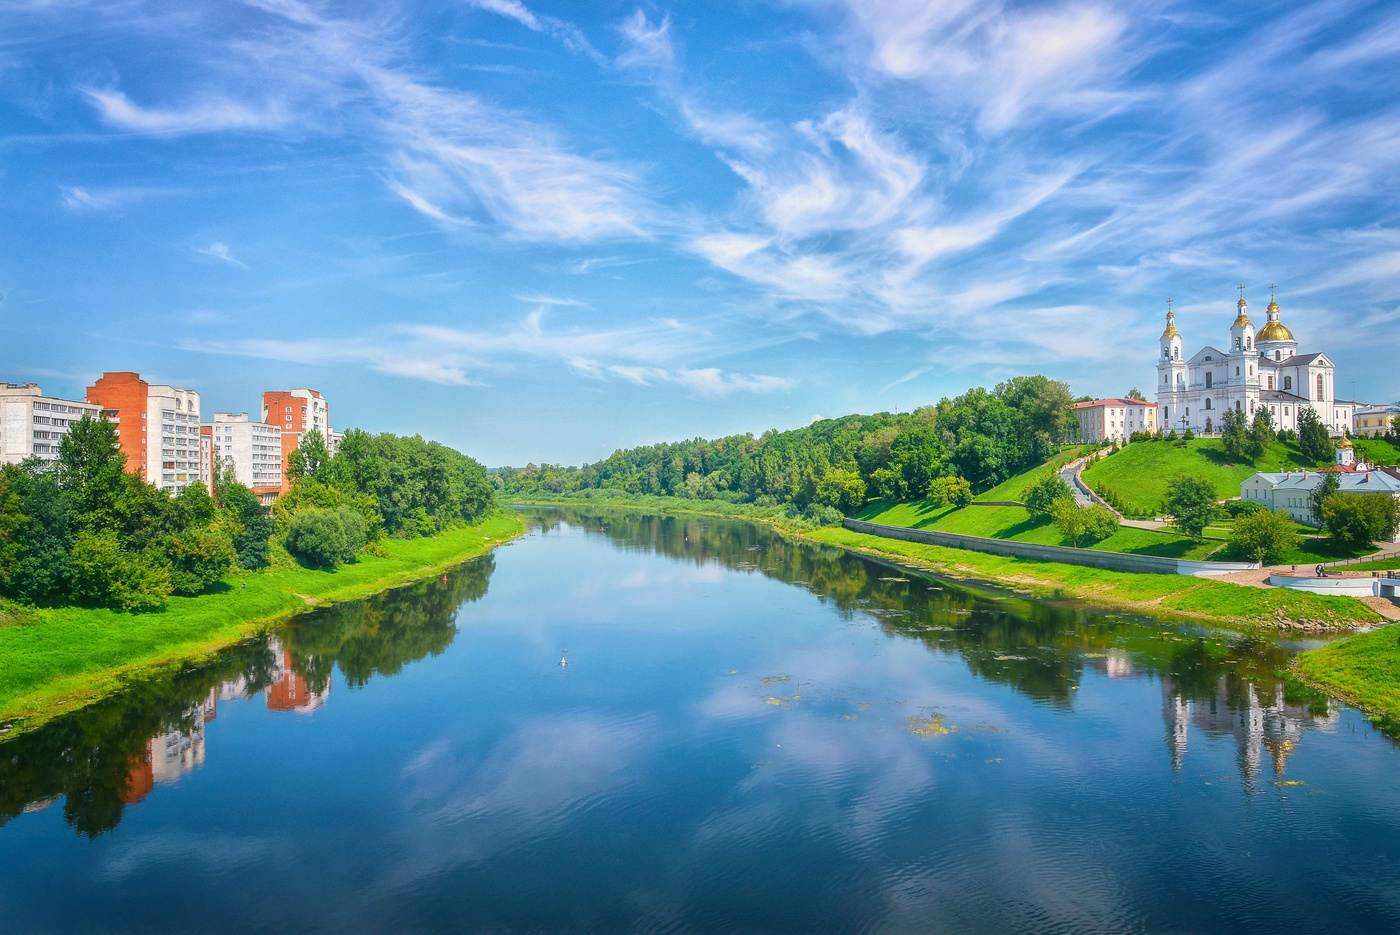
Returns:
<point x="1256" y="371"/>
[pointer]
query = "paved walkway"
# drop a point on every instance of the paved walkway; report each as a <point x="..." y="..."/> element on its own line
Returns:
<point x="1067" y="475"/>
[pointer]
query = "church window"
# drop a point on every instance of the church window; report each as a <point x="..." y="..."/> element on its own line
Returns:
<point x="1249" y="343"/>
<point x="1207" y="404"/>
<point x="1237" y="371"/>
<point x="1238" y="407"/>
<point x="1271" y="382"/>
<point x="1209" y="379"/>
<point x="1288" y="383"/>
<point x="1276" y="355"/>
<point x="1319" y="386"/>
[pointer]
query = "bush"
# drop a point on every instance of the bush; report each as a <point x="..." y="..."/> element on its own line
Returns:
<point x="1264" y="536"/>
<point x="1357" y="521"/>
<point x="198" y="558"/>
<point x="828" y="516"/>
<point x="104" y="574"/>
<point x="325" y="538"/>
<point x="1088" y="524"/>
<point x="1244" y="507"/>
<point x="950" y="490"/>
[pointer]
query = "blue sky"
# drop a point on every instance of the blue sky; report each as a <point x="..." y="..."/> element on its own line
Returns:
<point x="542" y="230"/>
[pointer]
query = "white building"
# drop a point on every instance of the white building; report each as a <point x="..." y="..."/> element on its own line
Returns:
<point x="1290" y="491"/>
<point x="253" y="448"/>
<point x="158" y="427"/>
<point x="1114" y="418"/>
<point x="32" y="424"/>
<point x="1255" y="371"/>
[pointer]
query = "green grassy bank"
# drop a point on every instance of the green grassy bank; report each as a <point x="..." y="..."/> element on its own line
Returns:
<point x="1019" y="524"/>
<point x="57" y="659"/>
<point x="1170" y="595"/>
<point x="1363" y="669"/>
<point x="1158" y="595"/>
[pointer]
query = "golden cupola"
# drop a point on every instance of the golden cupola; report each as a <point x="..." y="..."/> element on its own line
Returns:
<point x="1171" y="331"/>
<point x="1242" y="319"/>
<point x="1274" y="330"/>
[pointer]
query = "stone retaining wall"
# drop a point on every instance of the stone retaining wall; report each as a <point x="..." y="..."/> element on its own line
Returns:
<point x="1092" y="558"/>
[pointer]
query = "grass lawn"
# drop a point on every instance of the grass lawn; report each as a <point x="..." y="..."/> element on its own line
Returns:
<point x="1171" y="595"/>
<point x="1364" y="669"/>
<point x="58" y="658"/>
<point x="1012" y="488"/>
<point x="1017" y="523"/>
<point x="1377" y="451"/>
<point x="1141" y="471"/>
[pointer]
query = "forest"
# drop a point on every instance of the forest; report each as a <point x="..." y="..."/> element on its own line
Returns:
<point x="981" y="437"/>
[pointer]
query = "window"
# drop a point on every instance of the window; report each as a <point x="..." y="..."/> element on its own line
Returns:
<point x="1237" y="371"/>
<point x="1288" y="383"/>
<point x="1210" y="378"/>
<point x="1276" y="355"/>
<point x="1207" y="404"/>
<point x="1319" y="386"/>
<point x="1271" y="382"/>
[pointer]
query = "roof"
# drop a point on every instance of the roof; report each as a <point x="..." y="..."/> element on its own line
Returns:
<point x="1282" y="397"/>
<point x="1369" y="482"/>
<point x="1298" y="359"/>
<point x="1370" y="410"/>
<point x="1114" y="401"/>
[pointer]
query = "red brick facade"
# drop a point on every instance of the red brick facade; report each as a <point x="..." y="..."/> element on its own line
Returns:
<point x="124" y="395"/>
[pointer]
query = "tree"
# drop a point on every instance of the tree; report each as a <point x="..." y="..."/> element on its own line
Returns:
<point x="889" y="484"/>
<point x="1091" y="524"/>
<point x="106" y="574"/>
<point x="1261" y="434"/>
<point x="1264" y="536"/>
<point x="1191" y="501"/>
<point x="1135" y="393"/>
<point x="1329" y="487"/>
<point x="1233" y="434"/>
<point x="1357" y="521"/>
<point x="841" y="489"/>
<point x="1043" y="493"/>
<point x="325" y="538"/>
<point x="1313" y="440"/>
<point x="950" y="490"/>
<point x="309" y="458"/>
<point x="198" y="558"/>
<point x="36" y="515"/>
<point x="90" y="469"/>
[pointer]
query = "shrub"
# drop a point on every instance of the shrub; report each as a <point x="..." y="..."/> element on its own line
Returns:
<point x="325" y="538"/>
<point x="950" y="490"/>
<point x="1244" y="507"/>
<point x="198" y="558"/>
<point x="1357" y="521"/>
<point x="1188" y="435"/>
<point x="1264" y="536"/>
<point x="104" y="574"/>
<point x="828" y="516"/>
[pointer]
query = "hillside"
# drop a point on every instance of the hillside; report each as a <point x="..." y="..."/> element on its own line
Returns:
<point x="1018" y="524"/>
<point x="1140" y="472"/>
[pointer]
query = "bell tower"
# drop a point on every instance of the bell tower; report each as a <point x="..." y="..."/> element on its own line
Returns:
<point x="1242" y="331"/>
<point x="1171" y="372"/>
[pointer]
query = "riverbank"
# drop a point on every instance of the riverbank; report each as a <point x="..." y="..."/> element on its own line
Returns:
<point x="56" y="659"/>
<point x="1174" y="596"/>
<point x="1362" y="670"/>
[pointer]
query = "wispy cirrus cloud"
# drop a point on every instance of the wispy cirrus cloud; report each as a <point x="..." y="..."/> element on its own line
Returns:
<point x="220" y="251"/>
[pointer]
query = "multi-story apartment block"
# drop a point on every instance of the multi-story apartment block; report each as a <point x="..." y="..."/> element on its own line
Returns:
<point x="32" y="424"/>
<point x="253" y="448"/>
<point x="158" y="427"/>
<point x="297" y="412"/>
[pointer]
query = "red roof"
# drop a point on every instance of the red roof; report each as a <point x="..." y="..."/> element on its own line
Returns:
<point x="1114" y="402"/>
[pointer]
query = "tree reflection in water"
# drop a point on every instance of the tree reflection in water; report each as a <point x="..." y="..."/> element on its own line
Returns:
<point x="113" y="752"/>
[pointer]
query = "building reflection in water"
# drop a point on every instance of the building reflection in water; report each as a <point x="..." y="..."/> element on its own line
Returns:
<point x="1235" y="710"/>
<point x="171" y="754"/>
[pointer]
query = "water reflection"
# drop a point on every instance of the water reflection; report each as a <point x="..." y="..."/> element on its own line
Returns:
<point x="115" y="752"/>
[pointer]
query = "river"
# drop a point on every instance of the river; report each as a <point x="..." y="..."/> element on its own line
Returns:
<point x="749" y="735"/>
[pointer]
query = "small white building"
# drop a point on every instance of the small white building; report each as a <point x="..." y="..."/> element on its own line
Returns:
<point x="32" y="424"/>
<point x="253" y="448"/>
<point x="1103" y="419"/>
<point x="1290" y="491"/>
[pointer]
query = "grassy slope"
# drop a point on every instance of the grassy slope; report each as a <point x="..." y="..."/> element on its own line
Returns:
<point x="1174" y="595"/>
<point x="1141" y="471"/>
<point x="1012" y="488"/>
<point x="1364" y="669"/>
<point x="1017" y="523"/>
<point x="1377" y="451"/>
<point x="64" y="657"/>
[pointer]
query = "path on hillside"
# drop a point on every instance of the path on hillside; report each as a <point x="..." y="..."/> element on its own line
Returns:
<point x="1068" y="475"/>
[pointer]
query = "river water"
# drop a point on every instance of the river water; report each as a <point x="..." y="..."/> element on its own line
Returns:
<point x="750" y="735"/>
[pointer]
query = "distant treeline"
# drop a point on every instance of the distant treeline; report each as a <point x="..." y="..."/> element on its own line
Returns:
<point x="982" y="437"/>
<point x="82" y="530"/>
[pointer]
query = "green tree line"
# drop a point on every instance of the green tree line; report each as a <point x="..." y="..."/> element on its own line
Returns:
<point x="981" y="437"/>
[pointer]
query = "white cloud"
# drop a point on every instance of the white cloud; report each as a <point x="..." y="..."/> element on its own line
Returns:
<point x="219" y="251"/>
<point x="204" y="117"/>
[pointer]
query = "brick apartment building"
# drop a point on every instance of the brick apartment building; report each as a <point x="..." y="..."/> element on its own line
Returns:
<point x="158" y="428"/>
<point x="296" y="412"/>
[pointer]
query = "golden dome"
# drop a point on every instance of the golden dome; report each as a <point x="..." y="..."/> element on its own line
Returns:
<point x="1345" y="443"/>
<point x="1171" y="331"/>
<point x="1273" y="306"/>
<point x="1240" y="303"/>
<point x="1274" y="331"/>
<point x="1242" y="320"/>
